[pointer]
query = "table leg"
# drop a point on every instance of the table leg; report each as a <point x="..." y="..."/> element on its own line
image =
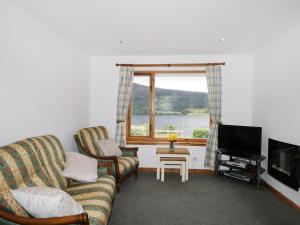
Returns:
<point x="180" y="170"/>
<point x="162" y="172"/>
<point x="182" y="167"/>
<point x="158" y="168"/>
<point x="186" y="169"/>
<point x="258" y="173"/>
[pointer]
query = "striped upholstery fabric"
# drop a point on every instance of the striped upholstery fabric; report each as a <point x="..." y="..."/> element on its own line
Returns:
<point x="54" y="158"/>
<point x="39" y="161"/>
<point x="96" y="198"/>
<point x="20" y="166"/>
<point x="127" y="164"/>
<point x="89" y="136"/>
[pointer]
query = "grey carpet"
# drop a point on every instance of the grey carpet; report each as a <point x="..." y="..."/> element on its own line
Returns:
<point x="203" y="200"/>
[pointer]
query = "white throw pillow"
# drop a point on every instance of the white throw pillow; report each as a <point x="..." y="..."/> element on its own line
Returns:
<point x="46" y="202"/>
<point x="80" y="167"/>
<point x="109" y="147"/>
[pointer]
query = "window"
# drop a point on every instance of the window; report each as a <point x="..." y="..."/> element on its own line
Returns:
<point x="168" y="103"/>
<point x="140" y="106"/>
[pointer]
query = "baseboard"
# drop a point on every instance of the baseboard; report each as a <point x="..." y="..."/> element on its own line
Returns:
<point x="281" y="196"/>
<point x="168" y="170"/>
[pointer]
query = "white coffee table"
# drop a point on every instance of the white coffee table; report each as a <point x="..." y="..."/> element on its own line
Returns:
<point x="168" y="153"/>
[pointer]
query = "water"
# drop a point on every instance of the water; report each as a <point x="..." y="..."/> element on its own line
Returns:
<point x="185" y="123"/>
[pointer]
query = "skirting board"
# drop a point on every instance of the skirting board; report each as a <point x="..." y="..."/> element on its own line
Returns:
<point x="191" y="171"/>
<point x="281" y="196"/>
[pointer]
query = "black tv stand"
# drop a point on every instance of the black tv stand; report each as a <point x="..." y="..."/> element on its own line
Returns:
<point x="246" y="168"/>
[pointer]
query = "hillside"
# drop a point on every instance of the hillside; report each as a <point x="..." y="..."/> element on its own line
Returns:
<point x="170" y="102"/>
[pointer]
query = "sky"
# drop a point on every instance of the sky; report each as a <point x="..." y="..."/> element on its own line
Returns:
<point x="182" y="82"/>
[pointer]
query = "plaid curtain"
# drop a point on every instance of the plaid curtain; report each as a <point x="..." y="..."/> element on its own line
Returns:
<point x="124" y="95"/>
<point x="214" y="84"/>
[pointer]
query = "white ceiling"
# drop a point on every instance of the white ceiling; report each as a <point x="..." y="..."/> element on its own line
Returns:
<point x="149" y="27"/>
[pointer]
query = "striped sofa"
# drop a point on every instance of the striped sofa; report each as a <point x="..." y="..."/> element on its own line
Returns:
<point x="39" y="161"/>
<point x="123" y="167"/>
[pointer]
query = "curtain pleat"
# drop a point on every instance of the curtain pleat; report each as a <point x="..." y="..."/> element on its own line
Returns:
<point x="124" y="95"/>
<point x="214" y="84"/>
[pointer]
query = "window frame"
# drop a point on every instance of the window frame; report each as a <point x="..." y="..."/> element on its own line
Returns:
<point x="151" y="139"/>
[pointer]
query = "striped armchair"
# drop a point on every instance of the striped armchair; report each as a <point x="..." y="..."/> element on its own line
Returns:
<point x="123" y="167"/>
<point x="39" y="161"/>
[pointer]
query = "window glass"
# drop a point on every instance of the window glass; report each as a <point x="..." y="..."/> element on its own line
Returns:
<point x="140" y="102"/>
<point x="181" y="106"/>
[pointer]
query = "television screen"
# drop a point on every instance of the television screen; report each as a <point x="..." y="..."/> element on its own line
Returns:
<point x="240" y="140"/>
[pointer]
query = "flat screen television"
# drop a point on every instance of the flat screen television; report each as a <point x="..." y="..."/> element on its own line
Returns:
<point x="239" y="140"/>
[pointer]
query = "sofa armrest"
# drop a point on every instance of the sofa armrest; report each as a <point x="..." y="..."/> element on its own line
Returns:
<point x="112" y="159"/>
<point x="75" y="219"/>
<point x="104" y="157"/>
<point x="108" y="165"/>
<point x="109" y="159"/>
<point x="131" y="150"/>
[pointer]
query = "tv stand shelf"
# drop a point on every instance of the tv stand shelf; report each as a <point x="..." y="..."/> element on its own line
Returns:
<point x="246" y="168"/>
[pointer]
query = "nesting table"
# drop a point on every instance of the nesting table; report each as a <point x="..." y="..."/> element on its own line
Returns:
<point x="173" y="158"/>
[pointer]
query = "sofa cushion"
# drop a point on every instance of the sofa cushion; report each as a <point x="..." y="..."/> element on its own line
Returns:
<point x="88" y="138"/>
<point x="54" y="158"/>
<point x="127" y="164"/>
<point x="109" y="147"/>
<point x="80" y="167"/>
<point x="46" y="202"/>
<point x="21" y="165"/>
<point x="95" y="198"/>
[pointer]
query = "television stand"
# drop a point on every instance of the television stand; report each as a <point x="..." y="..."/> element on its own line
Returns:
<point x="245" y="168"/>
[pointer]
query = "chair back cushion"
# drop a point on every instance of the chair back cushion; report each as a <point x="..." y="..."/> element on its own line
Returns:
<point x="21" y="165"/>
<point x="88" y="138"/>
<point x="109" y="147"/>
<point x="54" y="158"/>
<point x="80" y="167"/>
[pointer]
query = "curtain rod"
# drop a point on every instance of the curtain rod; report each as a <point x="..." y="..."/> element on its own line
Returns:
<point x="170" y="71"/>
<point x="173" y="65"/>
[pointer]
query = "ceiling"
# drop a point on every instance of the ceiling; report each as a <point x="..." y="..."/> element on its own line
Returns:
<point x="163" y="27"/>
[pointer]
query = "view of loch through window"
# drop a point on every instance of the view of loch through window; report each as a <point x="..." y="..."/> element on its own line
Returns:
<point x="180" y="106"/>
<point x="140" y="106"/>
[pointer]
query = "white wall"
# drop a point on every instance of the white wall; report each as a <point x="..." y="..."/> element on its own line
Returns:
<point x="43" y="80"/>
<point x="44" y="87"/>
<point x="276" y="91"/>
<point x="237" y="93"/>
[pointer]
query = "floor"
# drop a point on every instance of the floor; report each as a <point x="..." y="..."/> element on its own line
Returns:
<point x="203" y="200"/>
